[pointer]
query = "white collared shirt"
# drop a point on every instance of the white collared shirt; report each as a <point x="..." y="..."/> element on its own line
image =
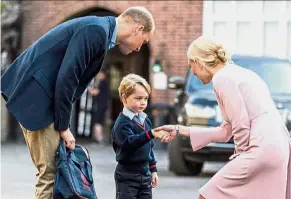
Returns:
<point x="141" y="116"/>
<point x="114" y="36"/>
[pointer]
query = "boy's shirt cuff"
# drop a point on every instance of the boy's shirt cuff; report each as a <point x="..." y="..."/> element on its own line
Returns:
<point x="150" y="135"/>
<point x="153" y="168"/>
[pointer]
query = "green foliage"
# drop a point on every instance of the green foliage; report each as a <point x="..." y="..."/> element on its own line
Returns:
<point x="2" y="6"/>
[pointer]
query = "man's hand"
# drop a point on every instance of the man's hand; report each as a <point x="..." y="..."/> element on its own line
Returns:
<point x="68" y="138"/>
<point x="155" y="179"/>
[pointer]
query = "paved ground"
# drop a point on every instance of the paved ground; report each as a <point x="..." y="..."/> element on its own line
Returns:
<point x="17" y="174"/>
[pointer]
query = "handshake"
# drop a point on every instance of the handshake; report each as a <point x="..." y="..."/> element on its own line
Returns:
<point x="167" y="133"/>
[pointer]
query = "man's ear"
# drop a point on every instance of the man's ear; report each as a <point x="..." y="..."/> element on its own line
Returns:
<point x="138" y="29"/>
<point x="141" y="28"/>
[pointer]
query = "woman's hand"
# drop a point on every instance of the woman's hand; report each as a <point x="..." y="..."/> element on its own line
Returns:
<point x="162" y="135"/>
<point x="168" y="128"/>
<point x="171" y="129"/>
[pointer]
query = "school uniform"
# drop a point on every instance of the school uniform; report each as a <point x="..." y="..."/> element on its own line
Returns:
<point x="133" y="144"/>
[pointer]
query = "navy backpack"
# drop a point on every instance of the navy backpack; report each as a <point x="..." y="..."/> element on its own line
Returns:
<point x="74" y="178"/>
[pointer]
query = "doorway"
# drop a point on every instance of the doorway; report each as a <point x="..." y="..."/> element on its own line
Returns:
<point x="116" y="66"/>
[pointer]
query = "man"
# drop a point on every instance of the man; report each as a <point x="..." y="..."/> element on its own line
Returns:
<point x="41" y="85"/>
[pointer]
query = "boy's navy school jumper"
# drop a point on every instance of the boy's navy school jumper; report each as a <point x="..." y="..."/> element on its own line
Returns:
<point x="132" y="143"/>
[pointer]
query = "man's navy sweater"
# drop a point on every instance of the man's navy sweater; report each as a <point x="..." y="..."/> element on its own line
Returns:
<point x="132" y="143"/>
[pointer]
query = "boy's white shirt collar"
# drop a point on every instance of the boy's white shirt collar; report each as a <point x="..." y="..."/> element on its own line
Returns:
<point x="142" y="116"/>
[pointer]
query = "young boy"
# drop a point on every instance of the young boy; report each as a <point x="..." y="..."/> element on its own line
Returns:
<point x="132" y="134"/>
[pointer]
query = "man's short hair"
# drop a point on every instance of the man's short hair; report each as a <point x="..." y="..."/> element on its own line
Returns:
<point x="128" y="83"/>
<point x="140" y="15"/>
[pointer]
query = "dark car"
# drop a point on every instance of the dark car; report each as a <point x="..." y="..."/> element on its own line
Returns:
<point x="195" y="104"/>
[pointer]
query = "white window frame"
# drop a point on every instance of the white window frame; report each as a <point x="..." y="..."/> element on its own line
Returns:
<point x="257" y="23"/>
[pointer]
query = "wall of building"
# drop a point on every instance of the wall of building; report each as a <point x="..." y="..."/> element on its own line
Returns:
<point x="177" y="24"/>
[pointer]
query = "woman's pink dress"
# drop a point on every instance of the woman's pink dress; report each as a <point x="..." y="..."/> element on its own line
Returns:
<point x="260" y="167"/>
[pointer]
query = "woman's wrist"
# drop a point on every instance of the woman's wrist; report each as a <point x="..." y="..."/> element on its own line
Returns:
<point x="177" y="128"/>
<point x="184" y="130"/>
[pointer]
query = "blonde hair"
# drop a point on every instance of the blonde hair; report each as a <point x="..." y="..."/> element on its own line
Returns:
<point x="207" y="51"/>
<point x="128" y="83"/>
<point x="140" y="15"/>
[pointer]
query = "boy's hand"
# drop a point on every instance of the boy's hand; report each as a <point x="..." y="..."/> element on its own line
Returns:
<point x="155" y="179"/>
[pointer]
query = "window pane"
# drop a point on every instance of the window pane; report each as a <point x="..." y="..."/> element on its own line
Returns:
<point x="221" y="34"/>
<point x="221" y="7"/>
<point x="273" y="8"/>
<point x="271" y="44"/>
<point x="244" y="37"/>
<point x="219" y="29"/>
<point x="289" y="41"/>
<point x="289" y="8"/>
<point x="246" y="8"/>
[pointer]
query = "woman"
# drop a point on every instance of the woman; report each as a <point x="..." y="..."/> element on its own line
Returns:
<point x="260" y="167"/>
<point x="100" y="103"/>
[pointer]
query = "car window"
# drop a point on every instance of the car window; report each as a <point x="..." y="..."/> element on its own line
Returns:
<point x="194" y="84"/>
<point x="276" y="74"/>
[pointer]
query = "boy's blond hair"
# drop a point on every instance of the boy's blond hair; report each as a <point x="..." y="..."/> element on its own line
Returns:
<point x="127" y="85"/>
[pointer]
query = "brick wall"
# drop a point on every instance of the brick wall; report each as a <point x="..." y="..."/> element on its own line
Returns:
<point x="177" y="24"/>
